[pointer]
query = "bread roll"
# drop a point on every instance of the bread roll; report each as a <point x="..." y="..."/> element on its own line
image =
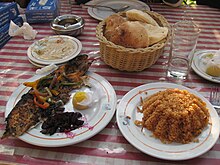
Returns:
<point x="130" y="34"/>
<point x="112" y="22"/>
<point x="138" y="15"/>
<point x="155" y="33"/>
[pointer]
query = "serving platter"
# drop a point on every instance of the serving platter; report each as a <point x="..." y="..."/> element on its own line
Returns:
<point x="54" y="49"/>
<point x="96" y="117"/>
<point x="143" y="140"/>
<point x="101" y="13"/>
<point x="199" y="64"/>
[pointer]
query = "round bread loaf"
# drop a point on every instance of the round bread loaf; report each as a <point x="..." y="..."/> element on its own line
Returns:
<point x="113" y="22"/>
<point x="155" y="33"/>
<point x="138" y="15"/>
<point x="130" y="35"/>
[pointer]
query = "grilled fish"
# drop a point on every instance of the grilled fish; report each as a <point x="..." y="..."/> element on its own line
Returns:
<point x="46" y="95"/>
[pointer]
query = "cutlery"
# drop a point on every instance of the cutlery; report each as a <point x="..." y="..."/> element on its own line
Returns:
<point x="215" y="98"/>
<point x="123" y="8"/>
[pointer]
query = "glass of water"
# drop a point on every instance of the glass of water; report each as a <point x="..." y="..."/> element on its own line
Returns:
<point x="185" y="34"/>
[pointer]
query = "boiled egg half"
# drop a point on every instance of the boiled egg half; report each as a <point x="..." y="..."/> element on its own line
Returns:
<point x="82" y="100"/>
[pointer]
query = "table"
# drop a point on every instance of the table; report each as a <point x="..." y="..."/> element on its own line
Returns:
<point x="15" y="69"/>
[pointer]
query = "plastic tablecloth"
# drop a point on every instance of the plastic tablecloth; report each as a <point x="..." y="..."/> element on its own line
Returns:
<point x="15" y="69"/>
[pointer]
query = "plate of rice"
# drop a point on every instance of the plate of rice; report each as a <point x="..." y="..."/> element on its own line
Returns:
<point x="168" y="121"/>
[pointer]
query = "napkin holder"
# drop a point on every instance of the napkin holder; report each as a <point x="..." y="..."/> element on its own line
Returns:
<point x="8" y="11"/>
<point x="4" y="36"/>
<point x="42" y="11"/>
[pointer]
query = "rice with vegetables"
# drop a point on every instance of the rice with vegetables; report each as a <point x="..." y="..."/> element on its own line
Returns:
<point x="174" y="115"/>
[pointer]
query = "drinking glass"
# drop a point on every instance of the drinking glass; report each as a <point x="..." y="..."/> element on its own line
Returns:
<point x="185" y="34"/>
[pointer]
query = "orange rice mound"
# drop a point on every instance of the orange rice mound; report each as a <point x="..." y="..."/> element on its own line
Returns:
<point x="174" y="115"/>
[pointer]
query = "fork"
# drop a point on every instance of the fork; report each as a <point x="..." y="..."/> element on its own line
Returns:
<point x="215" y="98"/>
<point x="123" y="8"/>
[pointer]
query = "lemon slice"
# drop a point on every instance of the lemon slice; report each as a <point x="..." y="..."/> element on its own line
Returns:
<point x="213" y="70"/>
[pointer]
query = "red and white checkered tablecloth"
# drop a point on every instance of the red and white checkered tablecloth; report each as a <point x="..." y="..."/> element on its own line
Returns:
<point x="15" y="69"/>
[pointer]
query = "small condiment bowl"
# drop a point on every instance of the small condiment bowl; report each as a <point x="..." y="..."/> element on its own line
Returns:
<point x="71" y="25"/>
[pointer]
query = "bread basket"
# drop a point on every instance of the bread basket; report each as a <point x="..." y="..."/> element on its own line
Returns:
<point x="129" y="59"/>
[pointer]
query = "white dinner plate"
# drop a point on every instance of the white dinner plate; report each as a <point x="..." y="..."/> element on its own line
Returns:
<point x="54" y="49"/>
<point x="199" y="64"/>
<point x="96" y="117"/>
<point x="41" y="65"/>
<point x="101" y="13"/>
<point x="36" y="64"/>
<point x="143" y="140"/>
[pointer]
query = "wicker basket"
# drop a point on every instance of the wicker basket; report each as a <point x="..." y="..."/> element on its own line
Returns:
<point x="128" y="59"/>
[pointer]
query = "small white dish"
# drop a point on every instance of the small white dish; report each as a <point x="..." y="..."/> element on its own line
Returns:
<point x="199" y="64"/>
<point x="41" y="65"/>
<point x="36" y="64"/>
<point x="96" y="117"/>
<point x="143" y="140"/>
<point x="54" y="49"/>
<point x="100" y="13"/>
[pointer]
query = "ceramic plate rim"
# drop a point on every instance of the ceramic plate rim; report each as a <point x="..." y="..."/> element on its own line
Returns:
<point x="94" y="15"/>
<point x="40" y="65"/>
<point x="99" y="123"/>
<point x="36" y="64"/>
<point x="195" y="66"/>
<point x="156" y="152"/>
<point x="48" y="62"/>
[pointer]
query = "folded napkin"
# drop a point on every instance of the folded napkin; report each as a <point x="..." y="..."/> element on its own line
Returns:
<point x="26" y="31"/>
<point x="46" y="69"/>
